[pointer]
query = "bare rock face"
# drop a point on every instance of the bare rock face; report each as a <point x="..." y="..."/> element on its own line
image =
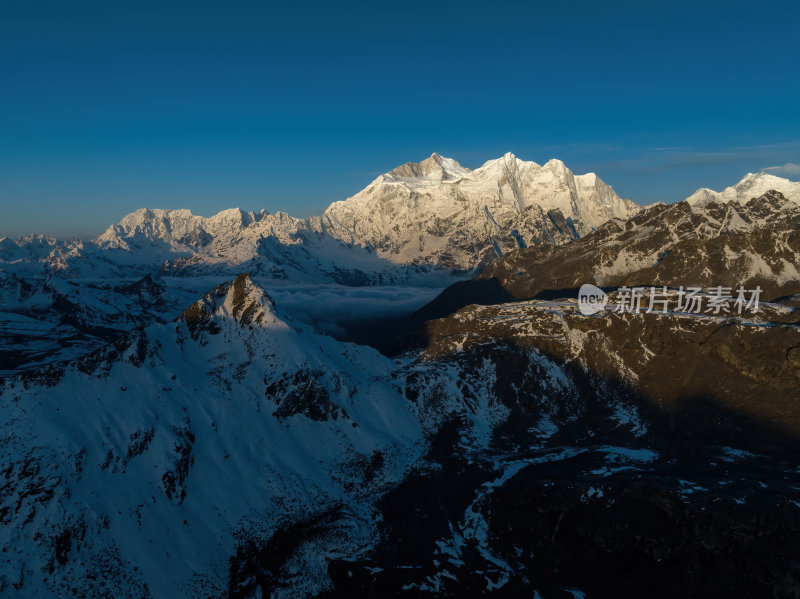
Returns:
<point x="668" y="358"/>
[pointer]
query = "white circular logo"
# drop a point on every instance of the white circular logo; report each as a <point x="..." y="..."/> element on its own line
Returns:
<point x="591" y="299"/>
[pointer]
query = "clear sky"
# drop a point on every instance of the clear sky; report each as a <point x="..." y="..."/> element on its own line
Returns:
<point x="107" y="107"/>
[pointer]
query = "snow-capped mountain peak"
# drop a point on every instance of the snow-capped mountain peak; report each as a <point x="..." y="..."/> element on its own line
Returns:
<point x="555" y="164"/>
<point x="434" y="168"/>
<point x="437" y="211"/>
<point x="177" y="228"/>
<point x="753" y="185"/>
<point x="506" y="161"/>
<point x="240" y="300"/>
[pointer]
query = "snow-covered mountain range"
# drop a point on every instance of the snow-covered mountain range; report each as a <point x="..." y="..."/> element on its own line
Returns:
<point x="419" y="226"/>
<point x="751" y="186"/>
<point x="730" y="244"/>
<point x="234" y="452"/>
<point x="210" y="431"/>
<point x="439" y="212"/>
<point x="435" y="215"/>
<point x="432" y="214"/>
<point x="177" y="242"/>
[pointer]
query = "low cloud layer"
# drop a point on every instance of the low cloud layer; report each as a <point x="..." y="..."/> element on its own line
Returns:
<point x="328" y="307"/>
<point x="325" y="306"/>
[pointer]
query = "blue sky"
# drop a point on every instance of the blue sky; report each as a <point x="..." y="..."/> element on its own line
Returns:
<point x="109" y="107"/>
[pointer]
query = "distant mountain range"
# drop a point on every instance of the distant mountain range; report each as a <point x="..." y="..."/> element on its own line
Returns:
<point x="434" y="215"/>
<point x="752" y="186"/>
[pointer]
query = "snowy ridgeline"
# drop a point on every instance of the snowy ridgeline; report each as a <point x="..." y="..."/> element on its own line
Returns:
<point x="434" y="214"/>
<point x="418" y="222"/>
